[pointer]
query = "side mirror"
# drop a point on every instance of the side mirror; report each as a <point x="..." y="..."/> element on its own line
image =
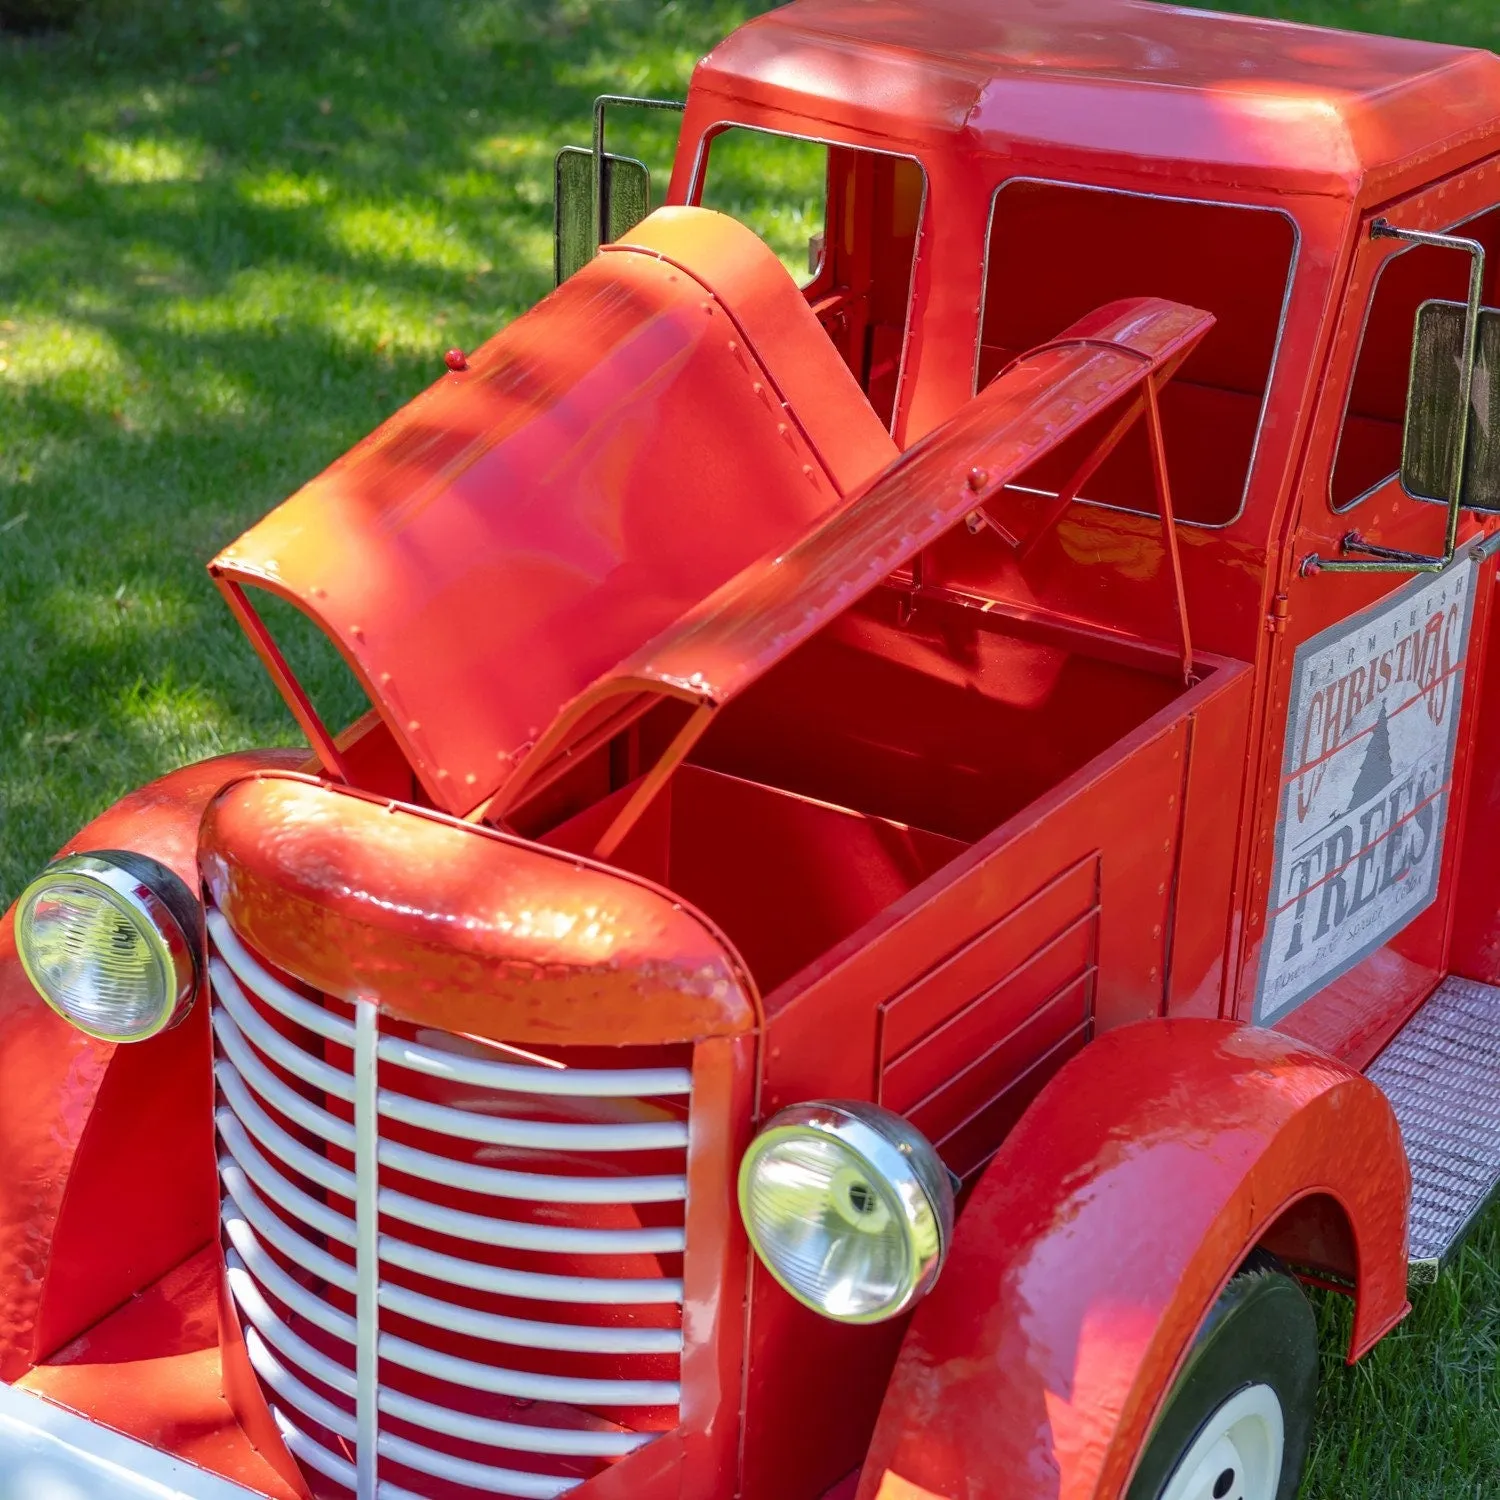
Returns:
<point x="625" y="189"/>
<point x="1434" y="409"/>
<point x="1452" y="440"/>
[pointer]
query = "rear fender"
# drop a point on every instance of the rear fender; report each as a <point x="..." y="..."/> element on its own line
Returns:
<point x="1098" y="1239"/>
<point x="107" y="1151"/>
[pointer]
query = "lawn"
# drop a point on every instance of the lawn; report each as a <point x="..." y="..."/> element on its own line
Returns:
<point x="236" y="234"/>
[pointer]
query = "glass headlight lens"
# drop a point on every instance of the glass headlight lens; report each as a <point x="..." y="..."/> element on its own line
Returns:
<point x="104" y="937"/>
<point x="849" y="1208"/>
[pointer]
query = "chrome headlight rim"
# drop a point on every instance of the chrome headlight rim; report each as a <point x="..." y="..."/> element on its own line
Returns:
<point x="896" y="1154"/>
<point x="157" y="904"/>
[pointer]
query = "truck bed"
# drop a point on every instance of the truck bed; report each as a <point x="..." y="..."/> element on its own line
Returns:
<point x="961" y="832"/>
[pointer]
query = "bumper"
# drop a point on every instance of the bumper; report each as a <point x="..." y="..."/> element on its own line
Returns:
<point x="49" y="1453"/>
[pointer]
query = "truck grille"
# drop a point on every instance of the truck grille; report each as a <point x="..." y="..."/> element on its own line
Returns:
<point x="457" y="1266"/>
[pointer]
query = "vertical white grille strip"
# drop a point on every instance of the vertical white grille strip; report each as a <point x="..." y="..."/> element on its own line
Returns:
<point x="367" y="1248"/>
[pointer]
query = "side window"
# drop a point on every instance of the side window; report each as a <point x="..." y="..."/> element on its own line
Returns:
<point x="776" y="185"/>
<point x="1369" y="451"/>
<point x="1058" y="251"/>
<point x="845" y="224"/>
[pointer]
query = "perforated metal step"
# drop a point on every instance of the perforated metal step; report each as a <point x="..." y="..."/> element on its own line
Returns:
<point x="1442" y="1076"/>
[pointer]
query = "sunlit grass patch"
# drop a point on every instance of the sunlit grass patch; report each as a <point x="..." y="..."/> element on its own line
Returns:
<point x="118" y="161"/>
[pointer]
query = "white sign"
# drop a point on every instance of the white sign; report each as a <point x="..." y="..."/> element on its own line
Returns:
<point x="1366" y="779"/>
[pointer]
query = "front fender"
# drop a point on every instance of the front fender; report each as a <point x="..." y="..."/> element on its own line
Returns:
<point x="107" y="1150"/>
<point x="1100" y="1236"/>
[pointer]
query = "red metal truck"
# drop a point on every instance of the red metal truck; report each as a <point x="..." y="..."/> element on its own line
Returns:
<point x="921" y="849"/>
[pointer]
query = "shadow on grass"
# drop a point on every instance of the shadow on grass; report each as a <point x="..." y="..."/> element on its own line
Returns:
<point x="236" y="235"/>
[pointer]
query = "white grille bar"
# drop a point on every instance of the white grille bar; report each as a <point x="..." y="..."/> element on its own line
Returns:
<point x="529" y="1187"/>
<point x="499" y="1130"/>
<point x="280" y="1096"/>
<point x="583" y="1338"/>
<point x="284" y="1193"/>
<point x="486" y="1477"/>
<point x="267" y="1322"/>
<point x="271" y="1043"/>
<point x="513" y="1235"/>
<point x="367" y="1252"/>
<point x="254" y="977"/>
<point x="286" y="1385"/>
<point x="244" y="1202"/>
<point x="568" y="1441"/>
<point x="519" y="1078"/>
<point x="309" y="1451"/>
<point x="245" y="1113"/>
<point x="523" y="1383"/>
<point x="284" y="1288"/>
<point x="532" y="1285"/>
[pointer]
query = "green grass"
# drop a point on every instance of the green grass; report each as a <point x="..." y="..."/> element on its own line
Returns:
<point x="235" y="234"/>
<point x="233" y="237"/>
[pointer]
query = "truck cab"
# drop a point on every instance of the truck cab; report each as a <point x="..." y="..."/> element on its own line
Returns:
<point x="918" y="846"/>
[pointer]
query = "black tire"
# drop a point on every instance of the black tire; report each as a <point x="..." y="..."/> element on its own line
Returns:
<point x="1260" y="1332"/>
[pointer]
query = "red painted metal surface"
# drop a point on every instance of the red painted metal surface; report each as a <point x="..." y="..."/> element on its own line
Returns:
<point x="153" y="1370"/>
<point x="956" y="816"/>
<point x="494" y="936"/>
<point x="737" y="634"/>
<point x="602" y="464"/>
<point x="98" y="1134"/>
<point x="1355" y="1016"/>
<point x="358" y="898"/>
<point x="734" y="636"/>
<point x="1100" y="1236"/>
<point x="1089" y="884"/>
<point x="1117" y="83"/>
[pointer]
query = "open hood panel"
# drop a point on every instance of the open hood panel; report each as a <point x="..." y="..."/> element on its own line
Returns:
<point x="733" y="637"/>
<point x="669" y="415"/>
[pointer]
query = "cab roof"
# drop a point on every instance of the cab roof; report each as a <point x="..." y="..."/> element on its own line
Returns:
<point x="1163" y="90"/>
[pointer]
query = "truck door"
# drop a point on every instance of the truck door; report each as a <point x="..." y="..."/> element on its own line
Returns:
<point x="1365" y="759"/>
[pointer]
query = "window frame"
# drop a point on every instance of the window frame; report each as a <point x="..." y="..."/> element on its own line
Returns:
<point x="1359" y="354"/>
<point x="695" y="198"/>
<point x="1294" y="264"/>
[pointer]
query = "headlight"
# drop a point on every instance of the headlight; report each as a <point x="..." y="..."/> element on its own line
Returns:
<point x="849" y="1207"/>
<point x="109" y="940"/>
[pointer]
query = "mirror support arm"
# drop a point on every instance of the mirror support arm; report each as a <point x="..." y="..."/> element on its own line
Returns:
<point x="601" y="206"/>
<point x="1376" y="559"/>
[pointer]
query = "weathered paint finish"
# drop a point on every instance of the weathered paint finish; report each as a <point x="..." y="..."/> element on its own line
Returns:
<point x="1100" y="1236"/>
<point x="462" y="927"/>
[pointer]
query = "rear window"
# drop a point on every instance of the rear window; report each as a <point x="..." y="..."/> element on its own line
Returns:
<point x="1058" y="251"/>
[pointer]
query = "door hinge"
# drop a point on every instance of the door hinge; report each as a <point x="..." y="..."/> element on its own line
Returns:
<point x="1276" y="620"/>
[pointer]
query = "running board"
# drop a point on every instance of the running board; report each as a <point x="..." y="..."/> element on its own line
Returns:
<point x="1442" y="1076"/>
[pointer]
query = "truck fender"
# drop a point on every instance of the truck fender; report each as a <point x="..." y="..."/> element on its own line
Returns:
<point x="108" y="1150"/>
<point x="1101" y="1234"/>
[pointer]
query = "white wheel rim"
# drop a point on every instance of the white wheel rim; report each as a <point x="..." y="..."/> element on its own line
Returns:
<point x="1237" y="1455"/>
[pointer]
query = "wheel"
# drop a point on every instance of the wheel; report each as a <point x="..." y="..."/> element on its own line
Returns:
<point x="1238" y="1423"/>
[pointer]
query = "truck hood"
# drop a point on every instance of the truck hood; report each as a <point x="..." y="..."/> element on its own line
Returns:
<point x="656" y="485"/>
<point x="667" y="416"/>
